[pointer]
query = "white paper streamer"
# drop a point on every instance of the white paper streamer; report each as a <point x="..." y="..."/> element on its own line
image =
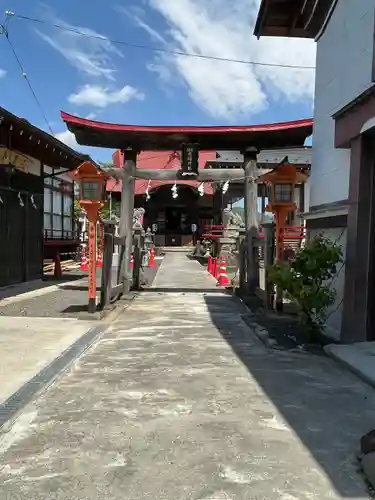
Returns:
<point x="20" y="200"/>
<point x="33" y="202"/>
<point x="147" y="190"/>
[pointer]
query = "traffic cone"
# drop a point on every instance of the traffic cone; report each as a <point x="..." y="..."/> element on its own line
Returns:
<point x="131" y="261"/>
<point x="214" y="268"/>
<point x="151" y="262"/>
<point x="84" y="264"/>
<point x="223" y="279"/>
<point x="57" y="271"/>
<point x="209" y="265"/>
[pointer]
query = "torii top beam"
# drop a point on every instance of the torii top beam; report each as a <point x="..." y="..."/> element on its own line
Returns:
<point x="160" y="138"/>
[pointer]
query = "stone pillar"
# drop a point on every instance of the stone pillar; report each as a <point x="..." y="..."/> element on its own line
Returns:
<point x="139" y="236"/>
<point x="106" y="289"/>
<point x="241" y="251"/>
<point x="126" y="217"/>
<point x="251" y="217"/>
<point x="269" y="259"/>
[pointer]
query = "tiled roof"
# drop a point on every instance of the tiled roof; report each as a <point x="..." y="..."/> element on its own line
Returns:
<point x="300" y="156"/>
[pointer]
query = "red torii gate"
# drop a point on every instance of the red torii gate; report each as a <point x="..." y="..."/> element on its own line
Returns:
<point x="132" y="139"/>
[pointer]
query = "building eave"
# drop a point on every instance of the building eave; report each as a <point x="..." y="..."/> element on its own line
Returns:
<point x="32" y="141"/>
<point x="165" y="138"/>
<point x="293" y="18"/>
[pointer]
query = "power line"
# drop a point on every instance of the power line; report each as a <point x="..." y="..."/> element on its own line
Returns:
<point x="5" y="32"/>
<point x="156" y="49"/>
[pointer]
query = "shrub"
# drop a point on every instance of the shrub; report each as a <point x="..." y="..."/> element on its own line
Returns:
<point x="307" y="278"/>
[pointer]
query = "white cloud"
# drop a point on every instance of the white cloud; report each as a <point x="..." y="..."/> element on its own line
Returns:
<point x="92" y="56"/>
<point x="135" y="13"/>
<point x="2" y="73"/>
<point x="101" y="97"/>
<point x="225" y="29"/>
<point x="162" y="70"/>
<point x="68" y="138"/>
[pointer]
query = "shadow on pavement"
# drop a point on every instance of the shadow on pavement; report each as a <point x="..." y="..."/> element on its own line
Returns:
<point x="79" y="288"/>
<point x="18" y="289"/>
<point x="327" y="408"/>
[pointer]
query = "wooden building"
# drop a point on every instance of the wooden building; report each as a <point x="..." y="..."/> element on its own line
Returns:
<point x="36" y="204"/>
<point x="173" y="218"/>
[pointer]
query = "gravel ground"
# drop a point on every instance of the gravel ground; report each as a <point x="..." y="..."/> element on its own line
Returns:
<point x="69" y="301"/>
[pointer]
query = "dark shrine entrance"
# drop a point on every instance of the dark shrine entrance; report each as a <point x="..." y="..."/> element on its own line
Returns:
<point x="172" y="219"/>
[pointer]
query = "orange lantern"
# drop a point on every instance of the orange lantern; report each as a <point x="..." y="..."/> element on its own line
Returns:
<point x="92" y="184"/>
<point x="282" y="180"/>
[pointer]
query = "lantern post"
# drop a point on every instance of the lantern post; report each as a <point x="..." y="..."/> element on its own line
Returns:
<point x="92" y="195"/>
<point x="282" y="181"/>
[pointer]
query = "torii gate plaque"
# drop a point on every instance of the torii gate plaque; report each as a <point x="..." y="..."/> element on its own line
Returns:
<point x="133" y="139"/>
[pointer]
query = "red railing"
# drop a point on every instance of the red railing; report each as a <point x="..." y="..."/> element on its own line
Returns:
<point x="290" y="232"/>
<point x="213" y="231"/>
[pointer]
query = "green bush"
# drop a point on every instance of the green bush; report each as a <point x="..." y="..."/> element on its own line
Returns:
<point x="307" y="278"/>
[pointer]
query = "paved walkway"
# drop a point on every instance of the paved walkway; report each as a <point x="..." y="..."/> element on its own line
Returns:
<point x="180" y="401"/>
<point x="28" y="345"/>
<point x="181" y="272"/>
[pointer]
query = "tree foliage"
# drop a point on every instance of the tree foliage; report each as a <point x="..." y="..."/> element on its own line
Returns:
<point x="106" y="213"/>
<point x="307" y="278"/>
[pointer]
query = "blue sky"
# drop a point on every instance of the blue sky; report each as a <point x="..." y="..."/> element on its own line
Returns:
<point x="117" y="83"/>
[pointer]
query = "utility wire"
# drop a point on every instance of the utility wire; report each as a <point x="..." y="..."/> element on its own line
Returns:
<point x="156" y="49"/>
<point x="4" y="31"/>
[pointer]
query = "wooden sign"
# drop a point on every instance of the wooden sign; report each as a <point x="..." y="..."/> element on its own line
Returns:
<point x="16" y="160"/>
<point x="189" y="160"/>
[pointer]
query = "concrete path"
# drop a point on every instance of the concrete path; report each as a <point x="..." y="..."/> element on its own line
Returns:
<point x="180" y="401"/>
<point x="178" y="271"/>
<point x="357" y="357"/>
<point x="27" y="345"/>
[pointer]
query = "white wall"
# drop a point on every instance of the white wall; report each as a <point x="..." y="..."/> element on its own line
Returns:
<point x="333" y="324"/>
<point x="343" y="71"/>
